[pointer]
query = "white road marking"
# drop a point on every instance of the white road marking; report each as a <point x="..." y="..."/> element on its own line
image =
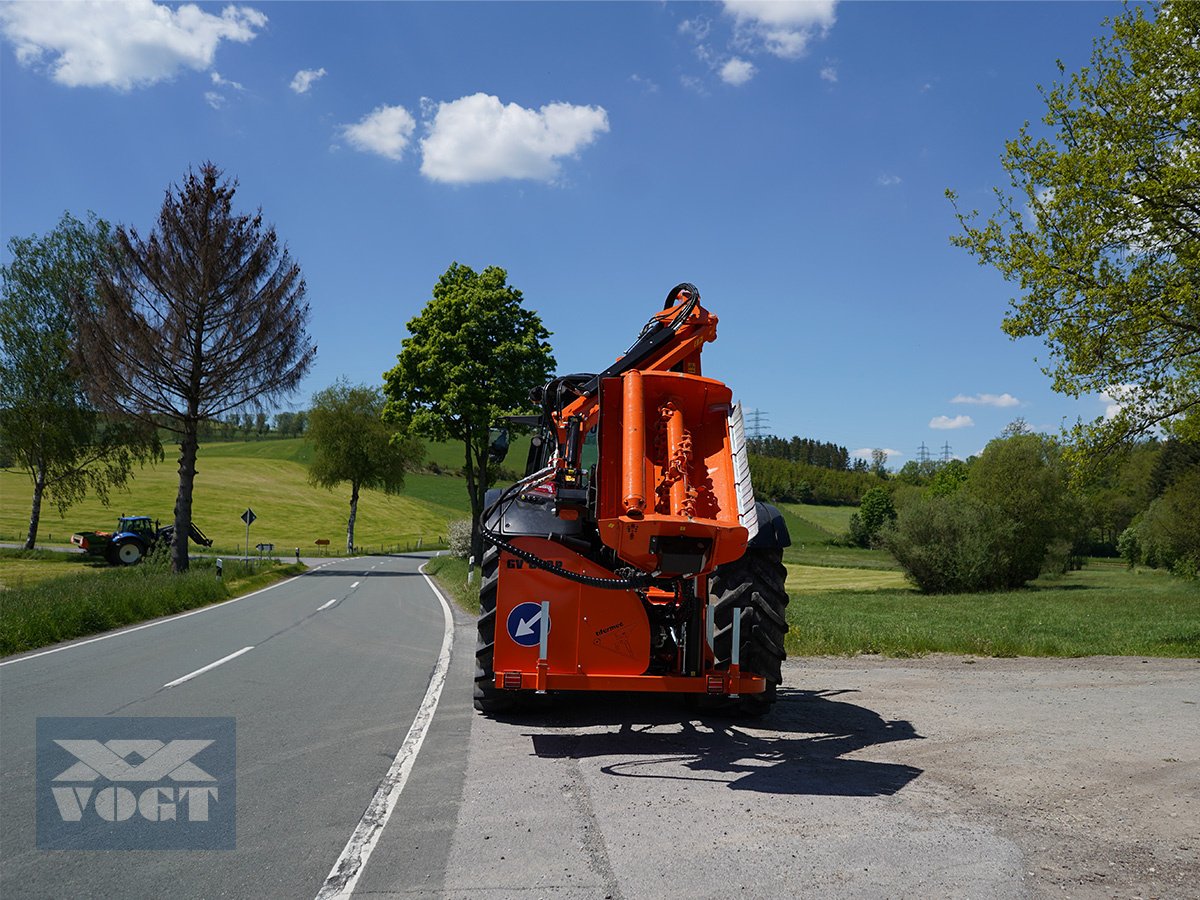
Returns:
<point x="183" y="615"/>
<point x="356" y="584"/>
<point x="211" y="665"/>
<point x="327" y="605"/>
<point x="345" y="873"/>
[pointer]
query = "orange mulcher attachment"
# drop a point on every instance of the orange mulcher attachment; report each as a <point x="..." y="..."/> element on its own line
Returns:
<point x="616" y="567"/>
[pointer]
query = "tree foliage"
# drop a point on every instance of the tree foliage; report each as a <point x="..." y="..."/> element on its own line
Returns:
<point x="472" y="356"/>
<point x="352" y="444"/>
<point x="875" y="512"/>
<point x="1101" y="228"/>
<point x="801" y="450"/>
<point x="47" y="425"/>
<point x="205" y="316"/>
<point x="997" y="523"/>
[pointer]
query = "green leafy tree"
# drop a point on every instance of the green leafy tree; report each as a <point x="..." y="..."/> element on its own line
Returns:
<point x="876" y="511"/>
<point x="1025" y="478"/>
<point x="204" y="317"/>
<point x="47" y="426"/>
<point x="1101" y="228"/>
<point x="352" y="444"/>
<point x="471" y="357"/>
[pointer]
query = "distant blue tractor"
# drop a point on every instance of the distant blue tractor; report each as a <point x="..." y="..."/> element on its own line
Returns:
<point x="134" y="538"/>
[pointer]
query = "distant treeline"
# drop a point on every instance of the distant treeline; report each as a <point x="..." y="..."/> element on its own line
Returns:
<point x="253" y="426"/>
<point x="805" y="450"/>
<point x="784" y="481"/>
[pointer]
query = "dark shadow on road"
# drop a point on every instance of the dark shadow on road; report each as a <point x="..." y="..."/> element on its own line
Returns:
<point x="799" y="748"/>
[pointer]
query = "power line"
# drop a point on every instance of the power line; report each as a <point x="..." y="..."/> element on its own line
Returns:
<point x="757" y="423"/>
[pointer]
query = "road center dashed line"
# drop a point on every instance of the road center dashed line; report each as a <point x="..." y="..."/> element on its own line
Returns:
<point x="211" y="665"/>
<point x="328" y="604"/>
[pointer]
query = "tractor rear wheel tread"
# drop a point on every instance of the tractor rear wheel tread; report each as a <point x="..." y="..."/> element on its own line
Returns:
<point x="753" y="585"/>
<point x="488" y="698"/>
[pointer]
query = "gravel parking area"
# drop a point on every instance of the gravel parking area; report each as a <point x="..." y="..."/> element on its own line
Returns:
<point x="937" y="777"/>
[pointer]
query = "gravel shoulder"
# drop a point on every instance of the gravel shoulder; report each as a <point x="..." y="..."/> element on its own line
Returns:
<point x="936" y="777"/>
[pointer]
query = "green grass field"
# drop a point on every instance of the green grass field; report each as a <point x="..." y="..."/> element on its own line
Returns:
<point x="1102" y="610"/>
<point x="269" y="477"/>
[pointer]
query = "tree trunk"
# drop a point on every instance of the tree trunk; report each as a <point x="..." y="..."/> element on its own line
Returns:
<point x="35" y="514"/>
<point x="353" y="516"/>
<point x="183" y="501"/>
<point x="476" y="504"/>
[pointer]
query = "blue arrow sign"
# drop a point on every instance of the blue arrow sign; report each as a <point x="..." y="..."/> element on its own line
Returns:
<point x="525" y="624"/>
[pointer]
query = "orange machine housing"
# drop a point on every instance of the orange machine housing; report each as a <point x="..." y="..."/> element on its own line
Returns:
<point x="667" y="468"/>
<point x="665" y="503"/>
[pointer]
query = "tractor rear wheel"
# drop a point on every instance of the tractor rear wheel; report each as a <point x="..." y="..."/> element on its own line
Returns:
<point x="128" y="552"/>
<point x="754" y="587"/>
<point x="488" y="697"/>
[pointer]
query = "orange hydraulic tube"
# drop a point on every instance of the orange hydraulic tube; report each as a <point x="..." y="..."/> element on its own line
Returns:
<point x="633" y="446"/>
<point x="677" y="460"/>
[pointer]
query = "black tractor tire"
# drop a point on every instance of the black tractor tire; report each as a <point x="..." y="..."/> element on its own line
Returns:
<point x="754" y="587"/>
<point x="488" y="697"/>
<point x="128" y="552"/>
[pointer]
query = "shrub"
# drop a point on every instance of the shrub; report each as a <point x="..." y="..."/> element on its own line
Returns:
<point x="458" y="538"/>
<point x="875" y="511"/>
<point x="953" y="544"/>
<point x="1167" y="534"/>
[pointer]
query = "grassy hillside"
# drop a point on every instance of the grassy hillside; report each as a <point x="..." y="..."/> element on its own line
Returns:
<point x="267" y="476"/>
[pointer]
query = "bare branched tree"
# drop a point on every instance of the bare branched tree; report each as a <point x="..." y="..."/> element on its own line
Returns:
<point x="205" y="316"/>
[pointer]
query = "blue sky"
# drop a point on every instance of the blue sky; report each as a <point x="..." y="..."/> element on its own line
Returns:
<point x="788" y="158"/>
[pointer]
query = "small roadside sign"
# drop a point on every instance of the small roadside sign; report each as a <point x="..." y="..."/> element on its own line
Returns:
<point x="248" y="516"/>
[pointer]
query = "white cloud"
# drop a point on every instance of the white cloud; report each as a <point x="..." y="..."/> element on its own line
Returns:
<point x="698" y="28"/>
<point x="224" y="82"/>
<point x="122" y="43"/>
<point x="305" y="78"/>
<point x="737" y="71"/>
<point x="998" y="400"/>
<point x="829" y="73"/>
<point x="783" y="28"/>
<point x="648" y="85"/>
<point x="886" y="180"/>
<point x="478" y="138"/>
<point x="1116" y="398"/>
<point x="945" y="422"/>
<point x="213" y="99"/>
<point x="386" y="130"/>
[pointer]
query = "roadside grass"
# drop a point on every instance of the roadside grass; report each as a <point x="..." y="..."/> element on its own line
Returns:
<point x="1101" y="610"/>
<point x="98" y="598"/>
<point x="450" y="573"/>
<point x="21" y="568"/>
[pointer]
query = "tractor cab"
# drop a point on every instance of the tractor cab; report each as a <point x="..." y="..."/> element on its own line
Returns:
<point x="139" y="525"/>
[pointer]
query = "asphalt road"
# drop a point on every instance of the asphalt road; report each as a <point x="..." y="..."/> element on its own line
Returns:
<point x="939" y="777"/>
<point x="342" y="658"/>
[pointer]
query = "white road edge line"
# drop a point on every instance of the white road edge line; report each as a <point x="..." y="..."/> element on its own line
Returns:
<point x="175" y="618"/>
<point x="327" y="605"/>
<point x="344" y="875"/>
<point x="212" y="665"/>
